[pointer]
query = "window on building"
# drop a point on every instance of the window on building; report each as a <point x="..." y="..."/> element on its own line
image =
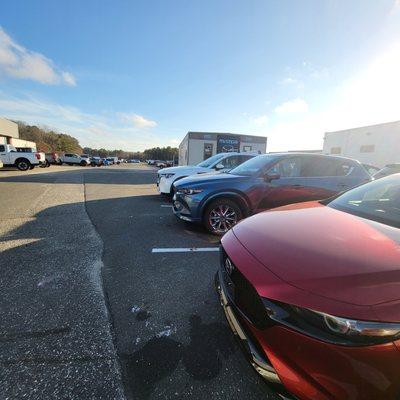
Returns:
<point x="367" y="148"/>
<point x="247" y="148"/>
<point x="208" y="150"/>
<point x="336" y="150"/>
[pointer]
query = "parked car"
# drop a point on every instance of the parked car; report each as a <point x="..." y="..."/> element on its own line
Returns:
<point x="266" y="181"/>
<point x="161" y="164"/>
<point x="96" y="162"/>
<point x="388" y="170"/>
<point x="312" y="291"/>
<point x="113" y="160"/>
<point x="221" y="162"/>
<point x="71" y="159"/>
<point x="10" y="157"/>
<point x="52" y="158"/>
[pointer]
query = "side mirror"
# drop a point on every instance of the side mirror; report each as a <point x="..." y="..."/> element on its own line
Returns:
<point x="271" y="177"/>
<point x="219" y="166"/>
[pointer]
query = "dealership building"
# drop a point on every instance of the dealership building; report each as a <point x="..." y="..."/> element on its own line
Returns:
<point x="377" y="145"/>
<point x="9" y="134"/>
<point x="198" y="146"/>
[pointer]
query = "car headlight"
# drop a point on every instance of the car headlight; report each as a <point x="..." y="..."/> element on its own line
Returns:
<point x="189" y="191"/>
<point x="332" y="329"/>
<point x="167" y="176"/>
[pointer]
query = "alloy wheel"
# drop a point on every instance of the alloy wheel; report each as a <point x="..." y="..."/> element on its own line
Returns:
<point x="222" y="218"/>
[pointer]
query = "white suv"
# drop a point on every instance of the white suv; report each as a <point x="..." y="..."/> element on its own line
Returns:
<point x="70" y="159"/>
<point x="221" y="162"/>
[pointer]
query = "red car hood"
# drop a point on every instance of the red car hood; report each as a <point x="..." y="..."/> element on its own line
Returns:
<point x="326" y="252"/>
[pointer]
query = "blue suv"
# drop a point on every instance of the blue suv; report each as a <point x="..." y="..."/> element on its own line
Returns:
<point x="264" y="182"/>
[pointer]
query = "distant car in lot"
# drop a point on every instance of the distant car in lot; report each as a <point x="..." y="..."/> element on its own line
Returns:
<point x="388" y="170"/>
<point x="71" y="159"/>
<point x="161" y="164"/>
<point x="52" y="158"/>
<point x="312" y="291"/>
<point x="133" y="161"/>
<point x="96" y="162"/>
<point x="266" y="181"/>
<point x="23" y="160"/>
<point x="220" y="162"/>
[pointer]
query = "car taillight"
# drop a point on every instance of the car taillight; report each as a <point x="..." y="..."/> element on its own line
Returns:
<point x="37" y="155"/>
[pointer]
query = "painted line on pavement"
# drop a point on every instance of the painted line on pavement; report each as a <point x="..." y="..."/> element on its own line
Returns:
<point x="184" y="249"/>
<point x="166" y="205"/>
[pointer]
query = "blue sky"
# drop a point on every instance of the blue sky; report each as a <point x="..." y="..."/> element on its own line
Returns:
<point x="137" y="74"/>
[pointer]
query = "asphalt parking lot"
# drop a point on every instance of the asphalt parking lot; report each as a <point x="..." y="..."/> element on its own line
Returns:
<point x="100" y="298"/>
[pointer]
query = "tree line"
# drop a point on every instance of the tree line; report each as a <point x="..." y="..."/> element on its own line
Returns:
<point x="49" y="141"/>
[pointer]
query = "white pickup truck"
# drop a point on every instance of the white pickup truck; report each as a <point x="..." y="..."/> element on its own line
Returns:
<point x="23" y="161"/>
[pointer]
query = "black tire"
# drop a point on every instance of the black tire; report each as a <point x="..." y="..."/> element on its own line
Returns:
<point x="60" y="162"/>
<point x="221" y="215"/>
<point x="83" y="163"/>
<point x="32" y="167"/>
<point x="23" y="164"/>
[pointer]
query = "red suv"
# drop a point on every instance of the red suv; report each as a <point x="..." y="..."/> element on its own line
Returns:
<point x="313" y="292"/>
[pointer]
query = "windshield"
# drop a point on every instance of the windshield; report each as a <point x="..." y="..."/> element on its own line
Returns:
<point x="210" y="161"/>
<point x="253" y="166"/>
<point x="378" y="200"/>
<point x="388" y="170"/>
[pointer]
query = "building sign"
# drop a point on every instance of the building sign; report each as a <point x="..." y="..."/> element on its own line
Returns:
<point x="227" y="144"/>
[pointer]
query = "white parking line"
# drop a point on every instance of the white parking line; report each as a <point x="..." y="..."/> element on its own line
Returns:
<point x="166" y="205"/>
<point x="184" y="249"/>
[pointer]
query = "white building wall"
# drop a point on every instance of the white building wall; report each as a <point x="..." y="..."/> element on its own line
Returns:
<point x="8" y="128"/>
<point x="183" y="151"/>
<point x="196" y="150"/>
<point x="255" y="147"/>
<point x="377" y="145"/>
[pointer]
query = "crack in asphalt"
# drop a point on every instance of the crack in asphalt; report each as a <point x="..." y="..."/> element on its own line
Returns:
<point x="5" y="337"/>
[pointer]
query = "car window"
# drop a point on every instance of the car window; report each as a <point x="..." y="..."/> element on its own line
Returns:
<point x="68" y="155"/>
<point x="378" y="200"/>
<point x="231" y="162"/>
<point x="289" y="167"/>
<point x="2" y="148"/>
<point x="254" y="166"/>
<point x="210" y="161"/>
<point x="325" y="166"/>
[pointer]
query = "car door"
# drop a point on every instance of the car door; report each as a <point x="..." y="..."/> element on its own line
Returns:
<point x="75" y="158"/>
<point x="289" y="186"/>
<point x="320" y="176"/>
<point x="4" y="156"/>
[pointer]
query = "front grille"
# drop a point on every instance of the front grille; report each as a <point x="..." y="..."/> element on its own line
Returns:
<point x="244" y="295"/>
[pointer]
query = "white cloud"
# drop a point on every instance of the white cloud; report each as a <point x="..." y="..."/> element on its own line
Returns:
<point x="371" y="97"/>
<point x="292" y="106"/>
<point x="18" y="62"/>
<point x="260" y="121"/>
<point x="395" y="7"/>
<point x="106" y="130"/>
<point x="68" y="78"/>
<point x="288" y="81"/>
<point x="138" y="121"/>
